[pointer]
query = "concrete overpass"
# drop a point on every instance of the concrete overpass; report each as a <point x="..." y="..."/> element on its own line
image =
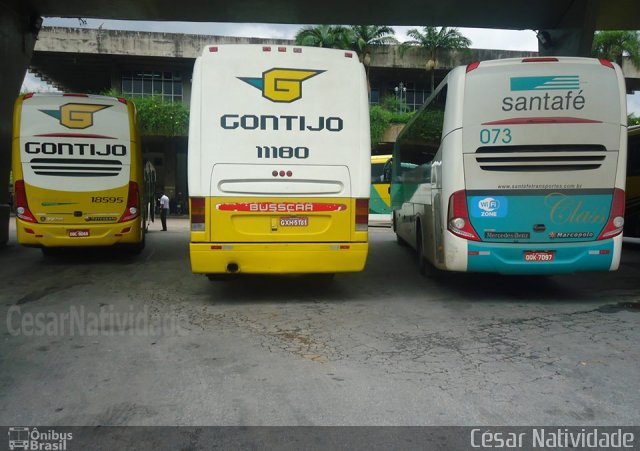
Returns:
<point x="95" y="60"/>
<point x="569" y="26"/>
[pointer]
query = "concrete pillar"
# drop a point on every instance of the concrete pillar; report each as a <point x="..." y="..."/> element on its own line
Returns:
<point x="573" y="36"/>
<point x="18" y="32"/>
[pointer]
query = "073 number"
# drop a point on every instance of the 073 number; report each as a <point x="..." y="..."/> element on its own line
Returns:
<point x="495" y="135"/>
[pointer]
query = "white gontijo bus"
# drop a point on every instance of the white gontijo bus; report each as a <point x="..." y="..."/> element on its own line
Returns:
<point x="519" y="167"/>
<point x="279" y="161"/>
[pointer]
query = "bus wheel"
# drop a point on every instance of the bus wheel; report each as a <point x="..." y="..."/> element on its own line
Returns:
<point x="422" y="262"/>
<point x="322" y="278"/>
<point x="424" y="266"/>
<point x="49" y="251"/>
<point x="137" y="248"/>
<point x="399" y="240"/>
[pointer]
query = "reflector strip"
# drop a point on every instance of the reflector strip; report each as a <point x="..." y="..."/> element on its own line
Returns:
<point x="280" y="207"/>
<point x="542" y="120"/>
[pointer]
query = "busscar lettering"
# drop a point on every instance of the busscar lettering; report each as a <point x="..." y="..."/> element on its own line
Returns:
<point x="75" y="149"/>
<point x="545" y="102"/>
<point x="280" y="208"/>
<point x="284" y="122"/>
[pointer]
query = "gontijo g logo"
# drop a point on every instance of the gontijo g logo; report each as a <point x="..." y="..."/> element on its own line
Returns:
<point x="281" y="85"/>
<point x="76" y="115"/>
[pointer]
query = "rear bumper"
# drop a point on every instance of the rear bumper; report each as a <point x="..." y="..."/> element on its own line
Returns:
<point x="278" y="258"/>
<point x="57" y="235"/>
<point x="508" y="258"/>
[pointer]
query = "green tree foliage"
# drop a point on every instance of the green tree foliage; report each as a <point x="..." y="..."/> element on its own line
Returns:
<point x="382" y="116"/>
<point x="364" y="37"/>
<point x="427" y="128"/>
<point x="157" y="117"/>
<point x="379" y="119"/>
<point x="632" y="119"/>
<point x="328" y="36"/>
<point x="433" y="39"/>
<point x="613" y="45"/>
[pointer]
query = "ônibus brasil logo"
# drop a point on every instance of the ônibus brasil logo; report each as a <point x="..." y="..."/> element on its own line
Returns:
<point x="76" y="115"/>
<point x="281" y="85"/>
<point x="27" y="438"/>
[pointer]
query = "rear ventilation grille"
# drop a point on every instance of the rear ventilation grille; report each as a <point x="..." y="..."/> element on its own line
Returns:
<point x="72" y="167"/>
<point x="540" y="158"/>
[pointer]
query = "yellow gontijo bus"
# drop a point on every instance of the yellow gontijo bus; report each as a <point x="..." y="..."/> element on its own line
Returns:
<point x="77" y="170"/>
<point x="279" y="161"/>
<point x="632" y="209"/>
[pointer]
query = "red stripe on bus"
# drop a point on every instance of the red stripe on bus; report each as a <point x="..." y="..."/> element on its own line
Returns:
<point x="543" y="120"/>
<point x="281" y="207"/>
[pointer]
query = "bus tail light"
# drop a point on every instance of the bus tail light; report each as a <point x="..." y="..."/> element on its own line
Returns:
<point x="607" y="63"/>
<point x="473" y="66"/>
<point x="22" y="207"/>
<point x="133" y="203"/>
<point x="197" y="214"/>
<point x="362" y="215"/>
<point x="458" y="221"/>
<point x="615" y="222"/>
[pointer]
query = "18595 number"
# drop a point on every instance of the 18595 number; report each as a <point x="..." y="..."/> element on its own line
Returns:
<point x="107" y="200"/>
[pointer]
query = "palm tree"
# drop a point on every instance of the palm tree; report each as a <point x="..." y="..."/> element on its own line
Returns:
<point x="365" y="37"/>
<point x="329" y="36"/>
<point x="434" y="39"/>
<point x="613" y="45"/>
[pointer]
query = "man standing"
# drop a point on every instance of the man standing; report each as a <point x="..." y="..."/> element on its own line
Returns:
<point x="164" y="209"/>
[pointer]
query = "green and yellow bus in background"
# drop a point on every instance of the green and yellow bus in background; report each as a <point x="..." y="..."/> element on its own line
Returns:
<point x="380" y="200"/>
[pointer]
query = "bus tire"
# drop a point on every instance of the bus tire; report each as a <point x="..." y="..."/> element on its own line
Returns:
<point x="399" y="240"/>
<point x="425" y="267"/>
<point x="322" y="278"/>
<point x="221" y="277"/>
<point x="422" y="262"/>
<point x="136" y="249"/>
<point x="49" y="251"/>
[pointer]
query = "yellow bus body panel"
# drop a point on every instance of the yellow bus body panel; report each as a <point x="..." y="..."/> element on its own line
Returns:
<point x="258" y="244"/>
<point x="58" y="235"/>
<point x="279" y="258"/>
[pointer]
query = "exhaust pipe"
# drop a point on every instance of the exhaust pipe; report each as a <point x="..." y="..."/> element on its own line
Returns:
<point x="232" y="268"/>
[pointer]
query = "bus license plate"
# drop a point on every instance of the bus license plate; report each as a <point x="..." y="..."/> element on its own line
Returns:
<point x="539" y="256"/>
<point x="78" y="233"/>
<point x="302" y="221"/>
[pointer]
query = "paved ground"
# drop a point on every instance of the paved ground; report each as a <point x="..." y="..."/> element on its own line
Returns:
<point x="380" y="347"/>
